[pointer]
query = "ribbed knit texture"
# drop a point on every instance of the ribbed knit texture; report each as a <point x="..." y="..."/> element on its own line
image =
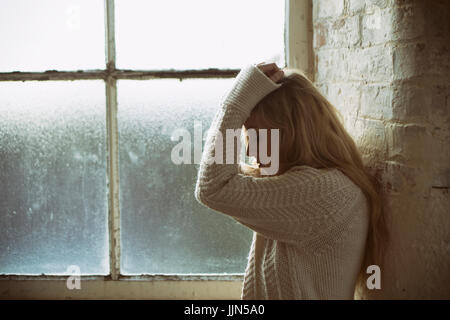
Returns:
<point x="310" y="225"/>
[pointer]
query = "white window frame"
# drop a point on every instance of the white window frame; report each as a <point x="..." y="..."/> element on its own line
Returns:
<point x="298" y="54"/>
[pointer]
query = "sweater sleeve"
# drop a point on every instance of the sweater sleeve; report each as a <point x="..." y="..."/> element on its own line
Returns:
<point x="290" y="207"/>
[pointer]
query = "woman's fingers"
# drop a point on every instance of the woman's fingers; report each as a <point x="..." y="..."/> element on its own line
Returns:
<point x="271" y="70"/>
<point x="268" y="68"/>
<point x="277" y="76"/>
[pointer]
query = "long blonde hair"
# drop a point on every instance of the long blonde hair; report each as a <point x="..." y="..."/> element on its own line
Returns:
<point x="312" y="134"/>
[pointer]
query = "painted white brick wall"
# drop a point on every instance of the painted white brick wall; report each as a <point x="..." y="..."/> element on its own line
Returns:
<point x="385" y="64"/>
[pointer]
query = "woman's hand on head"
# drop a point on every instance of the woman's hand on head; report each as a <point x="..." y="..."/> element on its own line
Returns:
<point x="272" y="71"/>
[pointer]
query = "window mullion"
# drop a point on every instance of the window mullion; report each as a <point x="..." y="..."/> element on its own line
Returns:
<point x="298" y="35"/>
<point x="113" y="137"/>
<point x="110" y="35"/>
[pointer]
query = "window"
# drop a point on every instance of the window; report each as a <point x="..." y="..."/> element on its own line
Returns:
<point x="91" y="95"/>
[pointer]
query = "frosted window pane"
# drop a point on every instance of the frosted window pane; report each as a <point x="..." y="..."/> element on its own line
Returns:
<point x="53" y="197"/>
<point x="163" y="228"/>
<point x="51" y="34"/>
<point x="180" y="34"/>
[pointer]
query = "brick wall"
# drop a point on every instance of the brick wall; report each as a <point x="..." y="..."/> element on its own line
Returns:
<point x="385" y="64"/>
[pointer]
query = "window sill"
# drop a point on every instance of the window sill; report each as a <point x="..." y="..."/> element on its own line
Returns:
<point x="153" y="287"/>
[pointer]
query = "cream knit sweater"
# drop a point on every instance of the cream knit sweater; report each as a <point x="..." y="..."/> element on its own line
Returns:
<point x="310" y="225"/>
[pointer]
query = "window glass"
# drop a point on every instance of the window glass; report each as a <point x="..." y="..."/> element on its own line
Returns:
<point x="163" y="227"/>
<point x="53" y="193"/>
<point x="198" y="34"/>
<point x="51" y="35"/>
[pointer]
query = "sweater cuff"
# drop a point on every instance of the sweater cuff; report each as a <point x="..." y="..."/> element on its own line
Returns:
<point x="249" y="87"/>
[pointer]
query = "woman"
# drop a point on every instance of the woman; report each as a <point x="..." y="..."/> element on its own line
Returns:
<point x="318" y="220"/>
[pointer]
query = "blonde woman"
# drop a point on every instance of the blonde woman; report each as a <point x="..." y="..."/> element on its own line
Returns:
<point x="317" y="220"/>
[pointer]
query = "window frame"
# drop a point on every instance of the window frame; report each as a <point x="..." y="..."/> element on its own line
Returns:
<point x="298" y="54"/>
